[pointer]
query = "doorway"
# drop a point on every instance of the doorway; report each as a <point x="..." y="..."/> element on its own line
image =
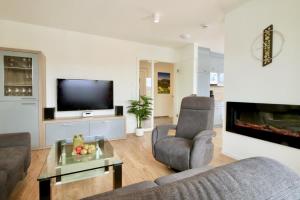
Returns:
<point x="156" y="80"/>
<point x="163" y="93"/>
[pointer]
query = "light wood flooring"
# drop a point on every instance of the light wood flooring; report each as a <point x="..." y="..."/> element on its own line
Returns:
<point x="162" y="120"/>
<point x="139" y="165"/>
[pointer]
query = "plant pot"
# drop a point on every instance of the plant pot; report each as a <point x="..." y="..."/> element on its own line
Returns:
<point x="139" y="132"/>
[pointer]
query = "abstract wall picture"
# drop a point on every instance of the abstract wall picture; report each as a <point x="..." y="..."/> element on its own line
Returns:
<point x="163" y="83"/>
<point x="267" y="45"/>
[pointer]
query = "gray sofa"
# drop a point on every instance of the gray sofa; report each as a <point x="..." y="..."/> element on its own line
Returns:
<point x="254" y="178"/>
<point x="192" y="145"/>
<point x="15" y="157"/>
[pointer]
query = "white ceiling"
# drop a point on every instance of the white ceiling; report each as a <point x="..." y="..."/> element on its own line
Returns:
<point x="129" y="19"/>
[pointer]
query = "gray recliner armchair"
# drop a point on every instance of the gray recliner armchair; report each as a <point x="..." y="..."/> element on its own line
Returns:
<point x="192" y="145"/>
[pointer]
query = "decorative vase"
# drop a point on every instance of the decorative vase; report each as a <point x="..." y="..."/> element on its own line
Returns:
<point x="139" y="132"/>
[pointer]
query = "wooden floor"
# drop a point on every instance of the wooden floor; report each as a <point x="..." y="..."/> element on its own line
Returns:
<point x="162" y="120"/>
<point x="139" y="165"/>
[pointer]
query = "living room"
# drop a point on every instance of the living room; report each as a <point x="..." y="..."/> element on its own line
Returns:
<point x="71" y="100"/>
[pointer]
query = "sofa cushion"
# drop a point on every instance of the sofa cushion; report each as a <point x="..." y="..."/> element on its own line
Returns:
<point x="125" y="190"/>
<point x="174" y="151"/>
<point x="3" y="179"/>
<point x="181" y="175"/>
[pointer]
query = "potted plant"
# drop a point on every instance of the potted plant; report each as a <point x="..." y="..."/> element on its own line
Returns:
<point x="142" y="110"/>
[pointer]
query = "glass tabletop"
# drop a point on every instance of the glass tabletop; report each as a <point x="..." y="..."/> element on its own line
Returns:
<point x="63" y="161"/>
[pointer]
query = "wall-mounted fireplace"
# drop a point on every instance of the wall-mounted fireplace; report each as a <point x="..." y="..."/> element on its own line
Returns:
<point x="271" y="122"/>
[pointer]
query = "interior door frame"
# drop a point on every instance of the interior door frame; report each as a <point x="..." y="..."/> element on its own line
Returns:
<point x="152" y="88"/>
<point x="153" y="61"/>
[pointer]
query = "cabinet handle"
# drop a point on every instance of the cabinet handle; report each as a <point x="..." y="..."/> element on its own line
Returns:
<point x="67" y="124"/>
<point x="28" y="103"/>
<point x="28" y="98"/>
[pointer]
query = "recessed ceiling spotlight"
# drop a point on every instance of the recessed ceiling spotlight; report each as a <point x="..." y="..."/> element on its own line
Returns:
<point x="203" y="26"/>
<point x="156" y="18"/>
<point x="185" y="36"/>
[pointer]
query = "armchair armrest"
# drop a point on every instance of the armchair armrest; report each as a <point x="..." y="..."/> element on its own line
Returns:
<point x="204" y="135"/>
<point x="202" y="149"/>
<point x="15" y="139"/>
<point x="160" y="132"/>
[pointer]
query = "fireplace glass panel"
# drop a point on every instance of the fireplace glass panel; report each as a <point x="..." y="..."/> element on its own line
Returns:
<point x="271" y="122"/>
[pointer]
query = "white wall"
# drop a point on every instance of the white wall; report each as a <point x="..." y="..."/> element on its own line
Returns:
<point x="163" y="103"/>
<point x="78" y="55"/>
<point x="247" y="81"/>
<point x="185" y="75"/>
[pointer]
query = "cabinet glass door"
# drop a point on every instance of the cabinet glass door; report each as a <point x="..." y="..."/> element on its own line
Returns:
<point x="17" y="76"/>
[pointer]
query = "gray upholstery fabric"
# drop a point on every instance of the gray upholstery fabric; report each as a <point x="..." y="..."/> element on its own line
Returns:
<point x="14" y="168"/>
<point x="126" y="190"/>
<point x="195" y="119"/>
<point x="181" y="175"/>
<point x="196" y="115"/>
<point x="3" y="179"/>
<point x="160" y="132"/>
<point x="249" y="179"/>
<point x="15" y="157"/>
<point x="202" y="149"/>
<point x="18" y="139"/>
<point x="174" y="151"/>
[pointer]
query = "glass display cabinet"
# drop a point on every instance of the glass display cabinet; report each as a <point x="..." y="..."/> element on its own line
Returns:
<point x="17" y="76"/>
<point x="19" y="89"/>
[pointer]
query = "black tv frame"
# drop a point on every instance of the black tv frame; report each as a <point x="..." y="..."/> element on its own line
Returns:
<point x="59" y="108"/>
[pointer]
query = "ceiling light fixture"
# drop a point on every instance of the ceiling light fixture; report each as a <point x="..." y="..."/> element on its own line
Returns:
<point x="204" y="26"/>
<point x="185" y="36"/>
<point x="156" y="18"/>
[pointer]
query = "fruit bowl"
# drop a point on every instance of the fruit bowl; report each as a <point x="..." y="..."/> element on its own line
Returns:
<point x="84" y="149"/>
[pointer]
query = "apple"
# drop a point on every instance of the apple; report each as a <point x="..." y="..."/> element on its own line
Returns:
<point x="83" y="152"/>
<point x="78" y="149"/>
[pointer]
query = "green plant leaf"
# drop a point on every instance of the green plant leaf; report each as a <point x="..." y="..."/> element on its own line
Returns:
<point x="141" y="109"/>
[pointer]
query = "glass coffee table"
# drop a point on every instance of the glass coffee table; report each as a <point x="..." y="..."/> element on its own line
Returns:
<point x="64" y="167"/>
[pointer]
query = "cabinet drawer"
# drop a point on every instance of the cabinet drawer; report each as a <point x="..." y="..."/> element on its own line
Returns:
<point x="59" y="131"/>
<point x="110" y="129"/>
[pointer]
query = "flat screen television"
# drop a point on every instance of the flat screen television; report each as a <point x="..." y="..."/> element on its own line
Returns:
<point x="78" y="94"/>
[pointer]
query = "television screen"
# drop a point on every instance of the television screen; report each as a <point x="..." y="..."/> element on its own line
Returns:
<point x="76" y="94"/>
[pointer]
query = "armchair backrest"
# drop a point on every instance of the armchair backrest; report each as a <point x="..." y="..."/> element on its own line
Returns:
<point x="196" y="115"/>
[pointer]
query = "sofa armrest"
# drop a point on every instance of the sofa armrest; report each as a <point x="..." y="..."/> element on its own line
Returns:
<point x="160" y="132"/>
<point x="18" y="139"/>
<point x="15" y="139"/>
<point x="202" y="149"/>
<point x="3" y="182"/>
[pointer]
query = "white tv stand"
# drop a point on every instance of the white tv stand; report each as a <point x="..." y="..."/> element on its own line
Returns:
<point x="111" y="127"/>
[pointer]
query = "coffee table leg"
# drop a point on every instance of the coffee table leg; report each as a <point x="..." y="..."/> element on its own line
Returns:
<point x="117" y="176"/>
<point x="45" y="189"/>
